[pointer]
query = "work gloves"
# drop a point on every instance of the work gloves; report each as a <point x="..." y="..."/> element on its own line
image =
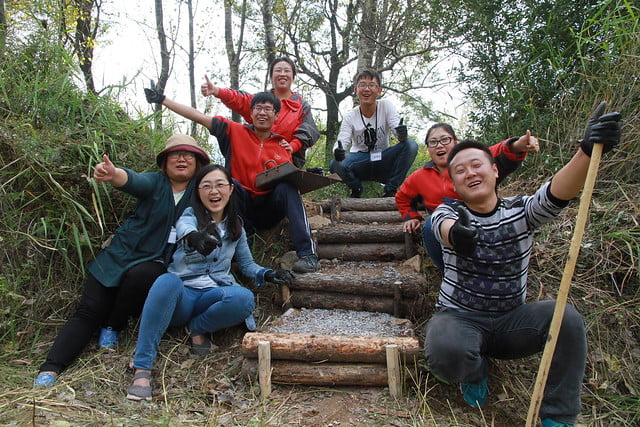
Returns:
<point x="279" y="277"/>
<point x="339" y="153"/>
<point x="463" y="236"/>
<point x="401" y="131"/>
<point x="153" y="94"/>
<point x="601" y="129"/>
<point x="205" y="240"/>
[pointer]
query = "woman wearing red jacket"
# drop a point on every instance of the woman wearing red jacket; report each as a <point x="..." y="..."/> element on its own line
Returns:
<point x="295" y="121"/>
<point x="431" y="183"/>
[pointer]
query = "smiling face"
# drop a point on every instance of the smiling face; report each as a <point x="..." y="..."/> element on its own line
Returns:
<point x="263" y="115"/>
<point x="444" y="142"/>
<point x="368" y="90"/>
<point x="282" y="76"/>
<point x="474" y="178"/>
<point x="214" y="191"/>
<point x="180" y="166"/>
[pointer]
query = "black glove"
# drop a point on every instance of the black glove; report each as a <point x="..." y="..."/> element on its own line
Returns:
<point x="339" y="153"/>
<point x="462" y="235"/>
<point x="205" y="241"/>
<point x="153" y="94"/>
<point x="601" y="130"/>
<point x="401" y="131"/>
<point x="279" y="277"/>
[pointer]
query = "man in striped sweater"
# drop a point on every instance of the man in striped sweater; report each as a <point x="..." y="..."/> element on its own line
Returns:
<point x="487" y="242"/>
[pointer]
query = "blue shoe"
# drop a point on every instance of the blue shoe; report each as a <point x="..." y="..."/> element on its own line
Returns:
<point x="108" y="339"/>
<point x="548" y="422"/>
<point x="475" y="394"/>
<point x="45" y="379"/>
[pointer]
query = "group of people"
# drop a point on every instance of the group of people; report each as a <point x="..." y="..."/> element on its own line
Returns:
<point x="171" y="260"/>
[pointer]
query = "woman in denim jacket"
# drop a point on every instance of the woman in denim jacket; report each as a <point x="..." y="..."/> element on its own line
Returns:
<point x="199" y="290"/>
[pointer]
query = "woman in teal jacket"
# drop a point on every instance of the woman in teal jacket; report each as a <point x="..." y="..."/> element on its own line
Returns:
<point x="122" y="273"/>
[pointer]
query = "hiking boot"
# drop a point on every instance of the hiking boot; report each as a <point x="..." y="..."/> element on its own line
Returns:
<point x="548" y="422"/>
<point x="475" y="394"/>
<point x="108" y="339"/>
<point x="306" y="264"/>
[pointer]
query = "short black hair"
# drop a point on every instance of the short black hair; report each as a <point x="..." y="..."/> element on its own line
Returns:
<point x="262" y="97"/>
<point x="281" y="59"/>
<point x="368" y="73"/>
<point x="469" y="143"/>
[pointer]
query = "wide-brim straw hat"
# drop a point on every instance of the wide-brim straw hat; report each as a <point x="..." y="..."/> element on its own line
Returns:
<point x="179" y="142"/>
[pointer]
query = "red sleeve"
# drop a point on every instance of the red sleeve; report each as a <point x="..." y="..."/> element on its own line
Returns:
<point x="237" y="101"/>
<point x="405" y="195"/>
<point x="504" y="148"/>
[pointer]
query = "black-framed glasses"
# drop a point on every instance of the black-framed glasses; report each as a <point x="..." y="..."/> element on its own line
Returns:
<point x="445" y="140"/>
<point x="219" y="187"/>
<point x="370" y="137"/>
<point x="266" y="108"/>
<point x="187" y="155"/>
<point x="371" y="86"/>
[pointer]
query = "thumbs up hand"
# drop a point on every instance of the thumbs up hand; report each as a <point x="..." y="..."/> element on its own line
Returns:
<point x="104" y="171"/>
<point x="463" y="235"/>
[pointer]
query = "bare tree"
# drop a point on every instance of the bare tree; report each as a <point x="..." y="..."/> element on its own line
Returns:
<point x="233" y="52"/>
<point x="164" y="58"/>
<point x="191" y="62"/>
<point x="269" y="32"/>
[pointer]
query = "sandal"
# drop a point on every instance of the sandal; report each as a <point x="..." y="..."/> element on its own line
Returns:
<point x="45" y="379"/>
<point x="137" y="392"/>
<point x="201" y="350"/>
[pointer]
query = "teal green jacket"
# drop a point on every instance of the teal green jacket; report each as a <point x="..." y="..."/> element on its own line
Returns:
<point x="144" y="236"/>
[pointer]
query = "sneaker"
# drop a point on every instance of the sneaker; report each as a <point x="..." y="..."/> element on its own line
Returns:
<point x="548" y="422"/>
<point x="356" y="193"/>
<point x="475" y="394"/>
<point x="108" y="339"/>
<point x="45" y="379"/>
<point x="306" y="264"/>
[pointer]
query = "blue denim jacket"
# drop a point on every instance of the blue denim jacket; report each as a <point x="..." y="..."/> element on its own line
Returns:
<point x="198" y="271"/>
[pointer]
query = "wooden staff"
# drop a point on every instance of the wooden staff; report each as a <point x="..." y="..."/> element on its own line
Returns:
<point x="563" y="292"/>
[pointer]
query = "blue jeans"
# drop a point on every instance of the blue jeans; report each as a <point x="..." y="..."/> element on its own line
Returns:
<point x="390" y="170"/>
<point x="458" y="346"/>
<point x="431" y="245"/>
<point x="170" y="303"/>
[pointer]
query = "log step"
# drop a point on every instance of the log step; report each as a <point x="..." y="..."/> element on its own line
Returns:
<point x="360" y="234"/>
<point x="369" y="217"/>
<point x="363" y="251"/>
<point x="374" y="204"/>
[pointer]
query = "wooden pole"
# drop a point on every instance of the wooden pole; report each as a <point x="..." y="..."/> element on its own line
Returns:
<point x="565" y="284"/>
<point x="393" y="370"/>
<point x="264" y="368"/>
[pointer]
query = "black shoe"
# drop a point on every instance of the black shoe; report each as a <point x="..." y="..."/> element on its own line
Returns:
<point x="356" y="193"/>
<point x="389" y="193"/>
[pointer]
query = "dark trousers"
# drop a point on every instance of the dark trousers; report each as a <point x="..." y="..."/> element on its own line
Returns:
<point x="101" y="306"/>
<point x="267" y="210"/>
<point x="458" y="346"/>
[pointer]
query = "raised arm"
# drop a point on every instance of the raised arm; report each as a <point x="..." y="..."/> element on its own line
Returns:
<point x="156" y="96"/>
<point x="105" y="171"/>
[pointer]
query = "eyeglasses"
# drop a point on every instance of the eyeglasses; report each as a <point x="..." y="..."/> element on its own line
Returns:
<point x="187" y="155"/>
<point x="371" y="85"/>
<point x="208" y="187"/>
<point x="259" y="108"/>
<point x="445" y="140"/>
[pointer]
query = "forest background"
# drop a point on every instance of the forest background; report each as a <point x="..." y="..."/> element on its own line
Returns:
<point x="539" y="65"/>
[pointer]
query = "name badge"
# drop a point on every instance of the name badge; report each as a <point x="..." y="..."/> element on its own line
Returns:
<point x="376" y="156"/>
<point x="172" y="235"/>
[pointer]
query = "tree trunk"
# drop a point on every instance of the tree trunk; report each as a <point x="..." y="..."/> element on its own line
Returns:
<point x="367" y="35"/>
<point x="327" y="348"/>
<point x="409" y="285"/>
<point x="269" y="33"/>
<point x="191" y="65"/>
<point x="325" y="374"/>
<point x="85" y="39"/>
<point x="164" y="58"/>
<point x="233" y="52"/>
<point x="3" y="26"/>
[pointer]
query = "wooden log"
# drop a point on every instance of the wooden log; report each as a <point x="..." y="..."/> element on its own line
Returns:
<point x="362" y="251"/>
<point x="393" y="370"/>
<point x="329" y="348"/>
<point x="348" y="204"/>
<point x="369" y="217"/>
<point x="323" y="374"/>
<point x="410" y="247"/>
<point x="378" y="304"/>
<point x="264" y="368"/>
<point x="361" y="283"/>
<point x="360" y="234"/>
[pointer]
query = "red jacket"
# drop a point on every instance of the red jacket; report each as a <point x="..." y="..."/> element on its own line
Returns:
<point x="432" y="186"/>
<point x="294" y="121"/>
<point x="245" y="155"/>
